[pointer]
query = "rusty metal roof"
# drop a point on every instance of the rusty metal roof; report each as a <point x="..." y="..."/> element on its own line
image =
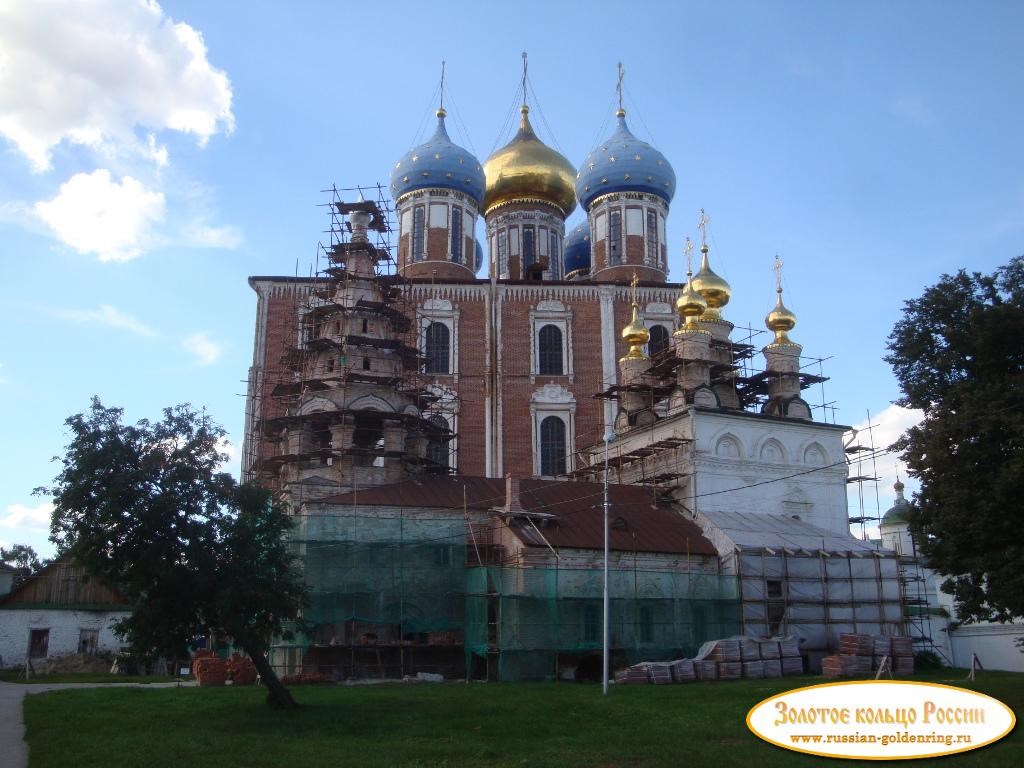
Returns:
<point x="637" y="524"/>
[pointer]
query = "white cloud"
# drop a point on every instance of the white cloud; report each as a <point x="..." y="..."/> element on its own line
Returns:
<point x="22" y="516"/>
<point x="107" y="316"/>
<point x="91" y="73"/>
<point x="911" y="108"/>
<point x="225" y="446"/>
<point x="203" y="236"/>
<point x="203" y="348"/>
<point x="93" y="213"/>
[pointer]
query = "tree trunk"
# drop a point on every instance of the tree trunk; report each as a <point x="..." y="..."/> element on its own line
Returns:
<point x="277" y="695"/>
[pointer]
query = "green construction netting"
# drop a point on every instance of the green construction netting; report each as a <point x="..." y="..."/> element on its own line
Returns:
<point x="390" y="596"/>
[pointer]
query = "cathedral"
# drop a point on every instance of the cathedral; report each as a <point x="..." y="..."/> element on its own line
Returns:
<point x="442" y="438"/>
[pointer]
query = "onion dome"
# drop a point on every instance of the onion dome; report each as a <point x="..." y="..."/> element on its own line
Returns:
<point x="714" y="289"/>
<point x="623" y="163"/>
<point x="780" y="321"/>
<point x="576" y="249"/>
<point x="636" y="335"/>
<point x="527" y="169"/>
<point x="898" y="514"/>
<point x="438" y="163"/>
<point x="478" y="256"/>
<point x="690" y="305"/>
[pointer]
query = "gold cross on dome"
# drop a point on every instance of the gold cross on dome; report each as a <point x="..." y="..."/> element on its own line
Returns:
<point x="687" y="251"/>
<point x="633" y="283"/>
<point x="702" y="225"/>
<point x="777" y="267"/>
<point x="618" y="86"/>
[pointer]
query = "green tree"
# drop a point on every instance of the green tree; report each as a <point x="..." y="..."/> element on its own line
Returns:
<point x="958" y="354"/>
<point x="23" y="559"/>
<point x="146" y="509"/>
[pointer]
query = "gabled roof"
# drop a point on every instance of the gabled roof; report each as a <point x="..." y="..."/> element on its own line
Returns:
<point x="61" y="584"/>
<point x="753" y="530"/>
<point x="575" y="509"/>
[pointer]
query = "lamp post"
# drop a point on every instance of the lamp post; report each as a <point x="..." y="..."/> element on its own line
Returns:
<point x="608" y="437"/>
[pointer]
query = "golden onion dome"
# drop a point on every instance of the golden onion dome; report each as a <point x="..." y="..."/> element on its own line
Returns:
<point x="714" y="289"/>
<point x="780" y="320"/>
<point x="527" y="169"/>
<point x="635" y="334"/>
<point x="690" y="305"/>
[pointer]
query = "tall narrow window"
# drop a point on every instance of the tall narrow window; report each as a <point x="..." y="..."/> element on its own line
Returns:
<point x="437" y="447"/>
<point x="552" y="446"/>
<point x="38" y="643"/>
<point x="503" y="252"/>
<point x="615" y="237"/>
<point x="417" y="233"/>
<point x="456" y="234"/>
<point x="653" y="252"/>
<point x="549" y="351"/>
<point x="437" y="348"/>
<point x="529" y="249"/>
<point x="555" y="262"/>
<point x="659" y="342"/>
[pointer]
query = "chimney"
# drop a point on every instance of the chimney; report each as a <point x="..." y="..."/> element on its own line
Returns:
<point x="512" y="504"/>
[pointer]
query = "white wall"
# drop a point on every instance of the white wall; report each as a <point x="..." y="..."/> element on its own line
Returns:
<point x="64" y="626"/>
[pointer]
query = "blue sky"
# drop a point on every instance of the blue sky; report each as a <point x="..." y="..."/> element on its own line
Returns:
<point x="152" y="157"/>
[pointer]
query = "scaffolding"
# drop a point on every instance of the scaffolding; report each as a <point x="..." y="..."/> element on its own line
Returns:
<point x="396" y="594"/>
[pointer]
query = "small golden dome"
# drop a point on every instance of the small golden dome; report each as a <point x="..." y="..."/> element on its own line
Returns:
<point x="527" y="169"/>
<point x="781" y="321"/>
<point x="714" y="289"/>
<point x="690" y="305"/>
<point x="636" y="335"/>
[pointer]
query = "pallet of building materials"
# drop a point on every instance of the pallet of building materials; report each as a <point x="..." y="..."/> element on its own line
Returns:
<point x="837" y="666"/>
<point x="792" y="665"/>
<point x="683" y="671"/>
<point x="861" y="665"/>
<point x="902" y="665"/>
<point x="772" y="667"/>
<point x="720" y="650"/>
<point x="241" y="670"/>
<point x="750" y="649"/>
<point x="210" y="672"/>
<point x="789" y="647"/>
<point x="706" y="670"/>
<point x="730" y="670"/>
<point x="882" y="646"/>
<point x="659" y="674"/>
<point x="769" y="649"/>
<point x="902" y="646"/>
<point x="856" y="645"/>
<point x="754" y="669"/>
<point x="635" y="675"/>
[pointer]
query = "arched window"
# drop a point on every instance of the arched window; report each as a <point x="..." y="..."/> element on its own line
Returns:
<point x="549" y="352"/>
<point x="552" y="446"/>
<point x="437" y="348"/>
<point x="437" y="449"/>
<point x="659" y="342"/>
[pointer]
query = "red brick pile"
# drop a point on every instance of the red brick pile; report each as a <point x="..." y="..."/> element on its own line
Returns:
<point x="210" y="671"/>
<point x="860" y="655"/>
<point x="306" y="678"/>
<point x="729" y="659"/>
<point x="241" y="670"/>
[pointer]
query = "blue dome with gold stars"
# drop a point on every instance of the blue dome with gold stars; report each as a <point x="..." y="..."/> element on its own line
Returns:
<point x="576" y="250"/>
<point x="438" y="163"/>
<point x="623" y="163"/>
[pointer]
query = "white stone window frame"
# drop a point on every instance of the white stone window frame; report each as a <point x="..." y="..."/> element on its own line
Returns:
<point x="441" y="311"/>
<point x="553" y="400"/>
<point x="659" y="313"/>
<point x="550" y="312"/>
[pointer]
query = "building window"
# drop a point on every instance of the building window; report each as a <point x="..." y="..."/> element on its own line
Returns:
<point x="659" y="342"/>
<point x="503" y="252"/>
<point x="457" y="235"/>
<point x="653" y="252"/>
<point x="330" y="365"/>
<point x="417" y="233"/>
<point x="437" y="445"/>
<point x="38" y="643"/>
<point x="437" y="348"/>
<point x="555" y="268"/>
<point x="529" y="249"/>
<point x="615" y="237"/>
<point x="550" y="351"/>
<point x="552" y="446"/>
<point x="366" y="325"/>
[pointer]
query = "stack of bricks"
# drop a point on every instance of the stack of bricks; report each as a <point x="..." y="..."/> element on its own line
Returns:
<point x="210" y="671"/>
<point x="683" y="671"/>
<point x="305" y="678"/>
<point x="241" y="670"/>
<point x="728" y="659"/>
<point x="750" y="654"/>
<point x="635" y="675"/>
<point x="859" y="655"/>
<point x="728" y="656"/>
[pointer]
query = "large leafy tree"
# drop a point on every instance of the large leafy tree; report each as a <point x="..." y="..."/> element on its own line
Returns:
<point x="146" y="509"/>
<point x="958" y="353"/>
<point x="23" y="559"/>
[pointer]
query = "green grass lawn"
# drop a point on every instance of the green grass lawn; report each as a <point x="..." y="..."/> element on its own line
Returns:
<point x="453" y="725"/>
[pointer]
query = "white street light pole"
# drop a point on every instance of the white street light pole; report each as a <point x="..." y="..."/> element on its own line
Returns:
<point x="608" y="437"/>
